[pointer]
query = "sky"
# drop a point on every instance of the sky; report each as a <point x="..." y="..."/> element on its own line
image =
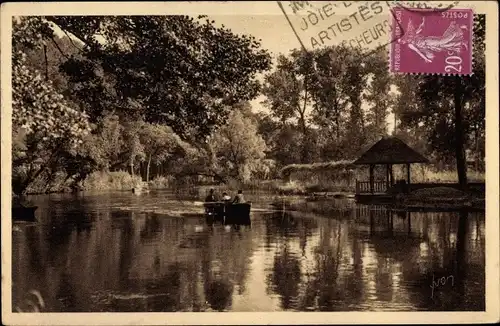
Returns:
<point x="276" y="36"/>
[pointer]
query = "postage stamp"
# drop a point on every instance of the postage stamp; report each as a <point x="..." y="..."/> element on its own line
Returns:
<point x="432" y="42"/>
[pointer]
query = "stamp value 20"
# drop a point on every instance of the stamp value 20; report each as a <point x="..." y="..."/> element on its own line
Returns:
<point x="432" y="42"/>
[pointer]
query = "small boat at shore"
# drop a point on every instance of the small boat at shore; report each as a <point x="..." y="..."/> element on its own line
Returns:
<point x="228" y="213"/>
<point x="23" y="213"/>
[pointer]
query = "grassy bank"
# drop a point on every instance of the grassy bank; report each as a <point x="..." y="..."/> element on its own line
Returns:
<point x="101" y="180"/>
<point x="122" y="180"/>
<point x="329" y="182"/>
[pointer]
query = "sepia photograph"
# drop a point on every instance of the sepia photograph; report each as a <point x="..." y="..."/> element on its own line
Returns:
<point x="236" y="157"/>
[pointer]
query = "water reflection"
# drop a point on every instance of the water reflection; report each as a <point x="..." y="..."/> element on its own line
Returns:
<point x="285" y="277"/>
<point x="89" y="254"/>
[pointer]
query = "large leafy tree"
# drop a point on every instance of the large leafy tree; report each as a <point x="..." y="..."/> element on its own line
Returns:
<point x="45" y="125"/>
<point x="160" y="143"/>
<point x="124" y="72"/>
<point x="238" y="148"/>
<point x="281" y="140"/>
<point x="288" y="88"/>
<point x="340" y="79"/>
<point x="174" y="70"/>
<point x="331" y="101"/>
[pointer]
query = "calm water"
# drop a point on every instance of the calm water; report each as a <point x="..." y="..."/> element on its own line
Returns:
<point x="120" y="252"/>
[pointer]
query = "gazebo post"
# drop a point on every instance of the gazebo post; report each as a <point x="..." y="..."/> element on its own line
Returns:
<point x="371" y="177"/>
<point x="408" y="175"/>
<point x="387" y="176"/>
<point x="391" y="175"/>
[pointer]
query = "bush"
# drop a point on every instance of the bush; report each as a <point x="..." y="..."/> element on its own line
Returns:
<point x="160" y="182"/>
<point x="119" y="180"/>
<point x="291" y="188"/>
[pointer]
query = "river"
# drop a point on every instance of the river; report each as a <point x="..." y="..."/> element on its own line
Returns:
<point x="118" y="252"/>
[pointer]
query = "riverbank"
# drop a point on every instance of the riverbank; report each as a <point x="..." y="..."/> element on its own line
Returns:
<point x="438" y="199"/>
<point x="428" y="198"/>
<point x="442" y="198"/>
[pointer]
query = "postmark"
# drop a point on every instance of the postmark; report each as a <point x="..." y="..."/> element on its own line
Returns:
<point x="432" y="42"/>
<point x="358" y="24"/>
<point x="415" y="6"/>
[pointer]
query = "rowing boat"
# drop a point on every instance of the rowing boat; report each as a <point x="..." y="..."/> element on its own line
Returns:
<point x="228" y="213"/>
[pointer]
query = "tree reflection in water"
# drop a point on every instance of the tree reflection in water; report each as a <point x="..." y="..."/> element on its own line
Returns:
<point x="219" y="294"/>
<point x="285" y="277"/>
<point x="322" y="291"/>
<point x="151" y="227"/>
<point x="86" y="256"/>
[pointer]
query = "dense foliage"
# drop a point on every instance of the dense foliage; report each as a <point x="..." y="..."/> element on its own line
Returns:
<point x="144" y="83"/>
<point x="168" y="97"/>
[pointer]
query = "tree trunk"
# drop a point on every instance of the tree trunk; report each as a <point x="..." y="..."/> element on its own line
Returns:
<point x="147" y="168"/>
<point x="46" y="62"/>
<point x="132" y="165"/>
<point x="478" y="157"/>
<point x="33" y="176"/>
<point x="395" y="124"/>
<point x="302" y="121"/>
<point x="459" y="135"/>
<point x="372" y="168"/>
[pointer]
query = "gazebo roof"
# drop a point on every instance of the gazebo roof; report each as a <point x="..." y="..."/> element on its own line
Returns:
<point x="390" y="150"/>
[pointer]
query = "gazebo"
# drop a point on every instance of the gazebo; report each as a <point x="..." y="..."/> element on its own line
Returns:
<point x="387" y="151"/>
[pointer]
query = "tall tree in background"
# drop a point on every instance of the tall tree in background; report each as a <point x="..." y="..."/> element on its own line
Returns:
<point x="329" y="90"/>
<point x="356" y="81"/>
<point x="378" y="95"/>
<point x="340" y="78"/>
<point x="281" y="140"/>
<point x="287" y="92"/>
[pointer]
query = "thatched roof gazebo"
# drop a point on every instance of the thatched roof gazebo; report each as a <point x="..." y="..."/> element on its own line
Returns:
<point x="388" y="151"/>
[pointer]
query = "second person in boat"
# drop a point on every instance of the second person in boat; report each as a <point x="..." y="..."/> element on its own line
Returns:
<point x="239" y="199"/>
<point x="226" y="197"/>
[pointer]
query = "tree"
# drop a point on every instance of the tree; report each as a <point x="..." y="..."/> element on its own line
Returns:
<point x="378" y="95"/>
<point x="160" y="142"/>
<point x="174" y="70"/>
<point x="340" y="78"/>
<point x="238" y="148"/>
<point x="49" y="125"/>
<point x="452" y="107"/>
<point x="283" y="141"/>
<point x="329" y="90"/>
<point x="287" y="91"/>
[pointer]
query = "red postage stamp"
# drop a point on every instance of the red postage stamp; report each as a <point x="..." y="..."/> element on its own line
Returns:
<point x="432" y="42"/>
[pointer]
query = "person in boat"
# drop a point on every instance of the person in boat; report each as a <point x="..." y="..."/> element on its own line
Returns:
<point x="226" y="197"/>
<point x="239" y="199"/>
<point x="211" y="197"/>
